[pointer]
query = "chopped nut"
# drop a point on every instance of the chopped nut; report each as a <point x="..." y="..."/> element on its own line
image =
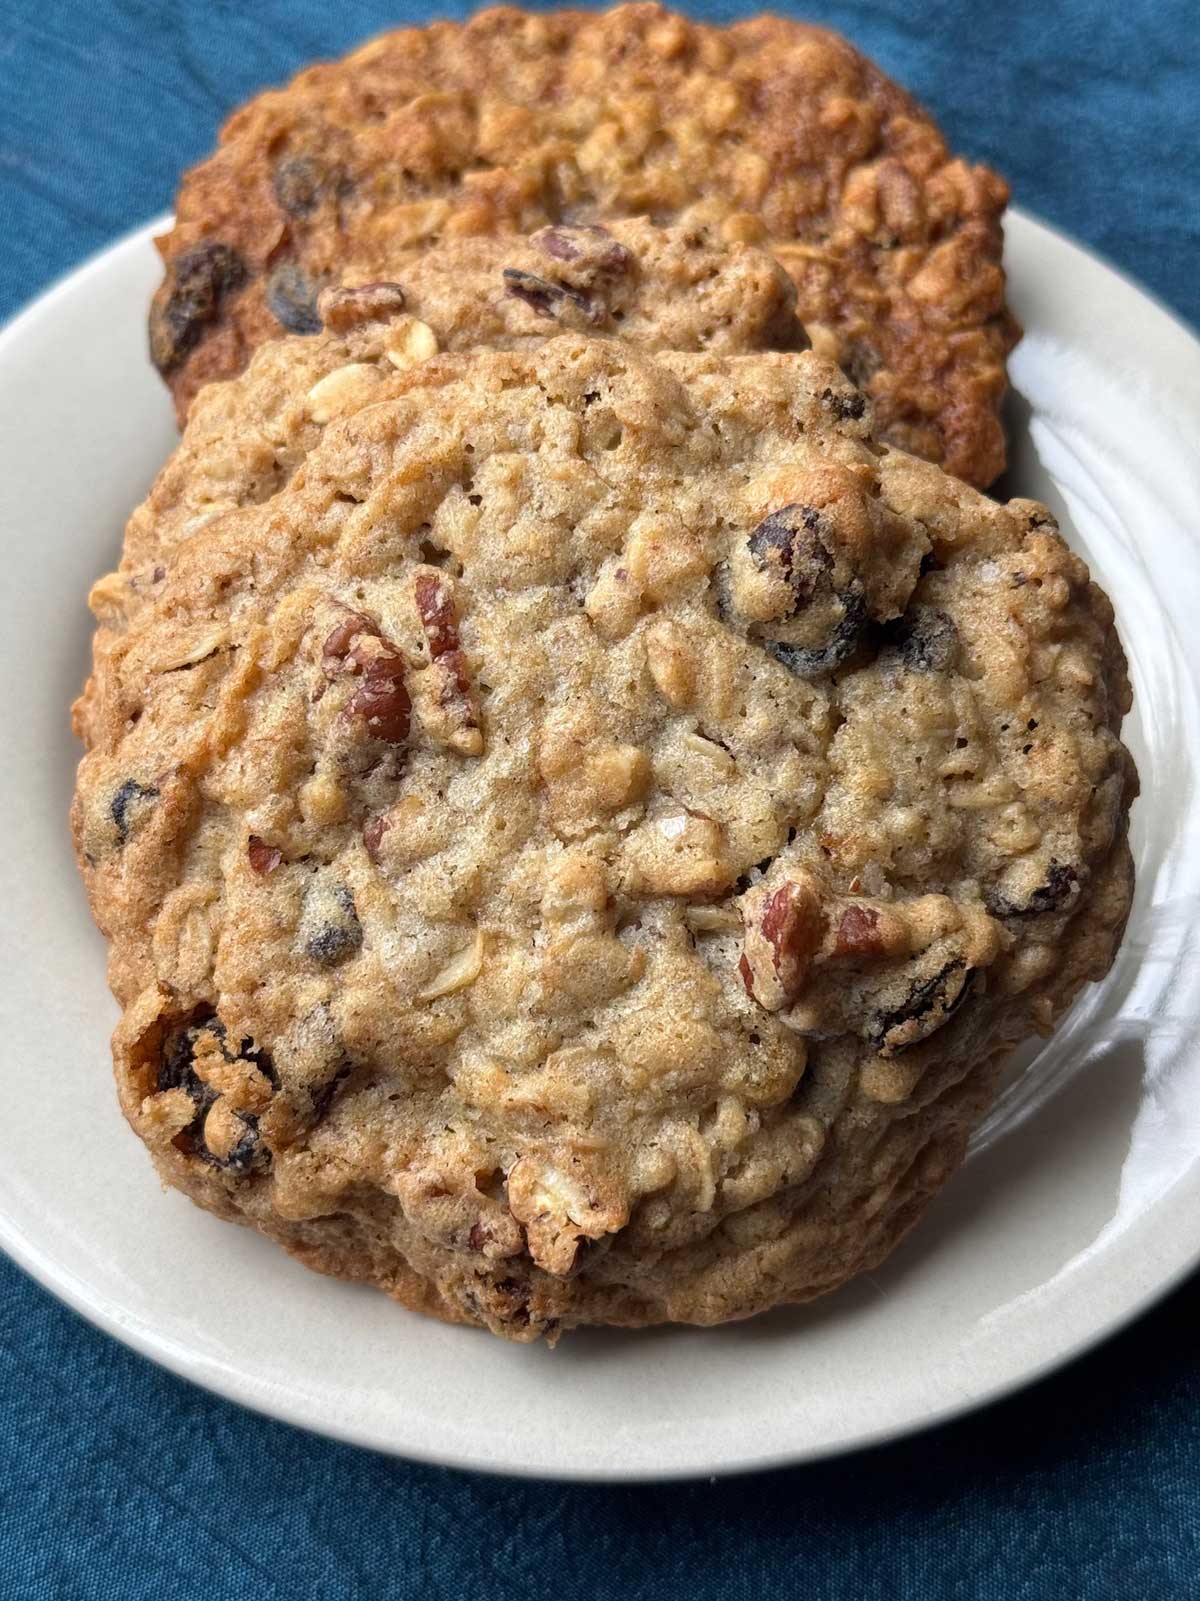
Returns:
<point x="409" y="342"/>
<point x="459" y="972"/>
<point x="340" y="640"/>
<point x="264" y="858"/>
<point x="858" y="933"/>
<point x="453" y="693"/>
<point x="784" y="928"/>
<point x="342" y="309"/>
<point x="373" y="831"/>
<point x="341" y="390"/>
<point x="381" y="700"/>
<point x="550" y="299"/>
<point x="589" y="243"/>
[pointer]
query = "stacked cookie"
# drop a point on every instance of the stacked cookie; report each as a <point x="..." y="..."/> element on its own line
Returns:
<point x="581" y="808"/>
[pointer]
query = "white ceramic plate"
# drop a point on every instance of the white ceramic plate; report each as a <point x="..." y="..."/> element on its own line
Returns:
<point x="1079" y="1205"/>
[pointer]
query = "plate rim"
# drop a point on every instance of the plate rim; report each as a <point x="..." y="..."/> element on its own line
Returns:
<point x="267" y="1399"/>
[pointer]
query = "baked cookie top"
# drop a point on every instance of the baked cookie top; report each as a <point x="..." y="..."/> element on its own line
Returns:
<point x="774" y="132"/>
<point x="587" y="822"/>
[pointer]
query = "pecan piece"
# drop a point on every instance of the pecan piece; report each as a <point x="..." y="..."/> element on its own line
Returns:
<point x="342" y="309"/>
<point x="858" y="933"/>
<point x="454" y="694"/>
<point x="547" y="298"/>
<point x="264" y="858"/>
<point x="783" y="932"/>
<point x="381" y="700"/>
<point x="372" y="834"/>
<point x="590" y="244"/>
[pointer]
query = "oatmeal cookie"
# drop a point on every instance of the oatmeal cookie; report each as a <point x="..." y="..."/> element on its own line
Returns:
<point x="578" y="829"/>
<point x="771" y="131"/>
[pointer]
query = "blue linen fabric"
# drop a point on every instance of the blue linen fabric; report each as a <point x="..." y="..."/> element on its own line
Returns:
<point x="119" y="1482"/>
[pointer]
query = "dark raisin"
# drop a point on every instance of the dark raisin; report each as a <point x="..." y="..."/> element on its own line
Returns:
<point x="299" y="184"/>
<point x="175" y="1070"/>
<point x="925" y="639"/>
<point x="810" y="662"/>
<point x="330" y="927"/>
<point x="546" y="298"/>
<point x="788" y="544"/>
<point x="930" y="1003"/>
<point x="123" y="808"/>
<point x="246" y="1153"/>
<point x="510" y="1302"/>
<point x="292" y="299"/>
<point x="1050" y="896"/>
<point x="190" y="299"/>
<point x="844" y="407"/>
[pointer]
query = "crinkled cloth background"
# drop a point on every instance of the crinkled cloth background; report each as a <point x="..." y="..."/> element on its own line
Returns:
<point x="119" y="1482"/>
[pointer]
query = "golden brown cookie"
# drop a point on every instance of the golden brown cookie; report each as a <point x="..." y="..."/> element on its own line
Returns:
<point x="578" y="829"/>
<point x="773" y="132"/>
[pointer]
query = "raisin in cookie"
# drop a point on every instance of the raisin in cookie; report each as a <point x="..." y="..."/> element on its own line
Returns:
<point x="775" y="132"/>
<point x="665" y="288"/>
<point x="669" y="289"/>
<point x="578" y="836"/>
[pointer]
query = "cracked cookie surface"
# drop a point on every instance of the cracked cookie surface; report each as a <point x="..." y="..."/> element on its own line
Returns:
<point x="578" y="829"/>
<point x="771" y="131"/>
